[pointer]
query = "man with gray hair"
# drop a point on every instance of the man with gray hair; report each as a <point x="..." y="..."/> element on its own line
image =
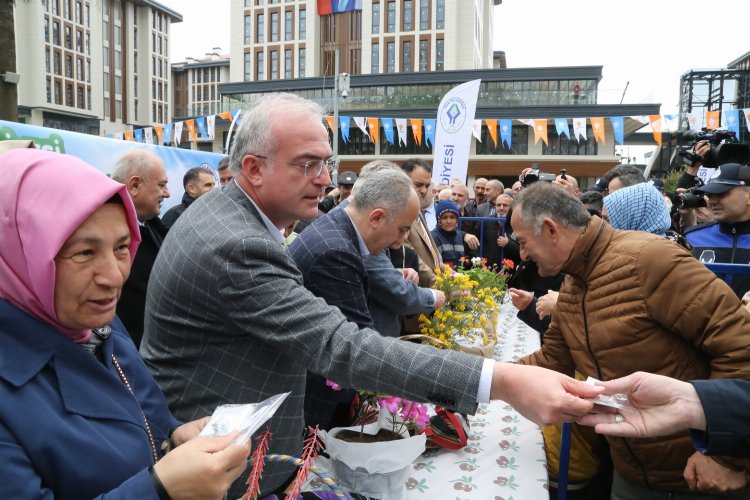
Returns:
<point x="394" y="292"/>
<point x="618" y="313"/>
<point x="229" y="321"/>
<point x="331" y="252"/>
<point x="144" y="175"/>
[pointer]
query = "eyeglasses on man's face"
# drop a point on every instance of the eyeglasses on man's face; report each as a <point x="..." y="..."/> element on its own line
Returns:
<point x="313" y="168"/>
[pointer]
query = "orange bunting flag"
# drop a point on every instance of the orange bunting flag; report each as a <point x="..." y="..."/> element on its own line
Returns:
<point x="597" y="125"/>
<point x="492" y="127"/>
<point x="190" y="124"/>
<point x="655" y="121"/>
<point x="159" y="133"/>
<point x="540" y="129"/>
<point x="416" y="130"/>
<point x="372" y="126"/>
<point x="713" y="119"/>
<point x="128" y="135"/>
<point x="226" y="115"/>
<point x="329" y="119"/>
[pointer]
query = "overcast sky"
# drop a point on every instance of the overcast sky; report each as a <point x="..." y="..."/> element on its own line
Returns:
<point x="647" y="43"/>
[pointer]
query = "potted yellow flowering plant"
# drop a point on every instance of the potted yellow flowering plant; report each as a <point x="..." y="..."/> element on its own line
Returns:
<point x="468" y="321"/>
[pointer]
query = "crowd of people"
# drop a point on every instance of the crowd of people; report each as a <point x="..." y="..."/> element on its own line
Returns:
<point x="121" y="332"/>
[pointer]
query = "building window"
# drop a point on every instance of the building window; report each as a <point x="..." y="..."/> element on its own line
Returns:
<point x="423" y="53"/>
<point x="391" y="56"/>
<point x="302" y="24"/>
<point x="118" y="38"/>
<point x="79" y="98"/>
<point x="46" y="30"/>
<point x="69" y="66"/>
<point x="69" y="95"/>
<point x="440" y="18"/>
<point x="118" y="60"/>
<point x="274" y="26"/>
<point x="68" y="38"/>
<point x="88" y="75"/>
<point x="375" y="59"/>
<point x="57" y="58"/>
<point x="66" y="3"/>
<point x="248" y="25"/>
<point x="248" y="64"/>
<point x="118" y="84"/>
<point x="406" y="57"/>
<point x="274" y="65"/>
<point x="88" y="44"/>
<point x="79" y="69"/>
<point x="260" y="28"/>
<point x="439" y="55"/>
<point x="105" y="29"/>
<point x="288" y="64"/>
<point x="88" y="100"/>
<point x="408" y="15"/>
<point x="49" y="91"/>
<point x="288" y="25"/>
<point x="79" y="41"/>
<point x="260" y="66"/>
<point x="391" y="27"/>
<point x="58" y="90"/>
<point x="47" y="61"/>
<point x="301" y="63"/>
<point x="375" y="18"/>
<point x="56" y="33"/>
<point x="88" y="25"/>
<point x="79" y="13"/>
<point x="118" y="110"/>
<point x="424" y="14"/>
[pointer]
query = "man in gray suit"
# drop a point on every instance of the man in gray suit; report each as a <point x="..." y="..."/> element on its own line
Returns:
<point x="229" y="320"/>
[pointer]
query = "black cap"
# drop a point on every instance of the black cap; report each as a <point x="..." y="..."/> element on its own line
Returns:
<point x="728" y="176"/>
<point x="347" y="178"/>
<point x="600" y="186"/>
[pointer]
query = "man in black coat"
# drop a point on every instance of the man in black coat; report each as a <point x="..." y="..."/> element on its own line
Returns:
<point x="146" y="179"/>
<point x="197" y="181"/>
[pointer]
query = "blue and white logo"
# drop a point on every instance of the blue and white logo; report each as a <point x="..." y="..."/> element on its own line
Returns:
<point x="452" y="115"/>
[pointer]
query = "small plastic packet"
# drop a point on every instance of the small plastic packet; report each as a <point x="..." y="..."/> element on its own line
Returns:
<point x="245" y="418"/>
<point x="619" y="401"/>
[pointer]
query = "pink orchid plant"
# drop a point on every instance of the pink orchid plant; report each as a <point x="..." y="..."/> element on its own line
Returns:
<point x="404" y="413"/>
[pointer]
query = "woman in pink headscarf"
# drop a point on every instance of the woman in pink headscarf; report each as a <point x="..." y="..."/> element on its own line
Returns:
<point x="80" y="416"/>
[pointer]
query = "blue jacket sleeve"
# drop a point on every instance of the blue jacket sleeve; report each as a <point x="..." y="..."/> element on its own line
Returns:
<point x="20" y="479"/>
<point x="725" y="404"/>
<point x="389" y="288"/>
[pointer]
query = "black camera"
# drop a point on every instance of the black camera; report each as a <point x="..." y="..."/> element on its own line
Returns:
<point x="724" y="147"/>
<point x="690" y="199"/>
<point x="534" y="176"/>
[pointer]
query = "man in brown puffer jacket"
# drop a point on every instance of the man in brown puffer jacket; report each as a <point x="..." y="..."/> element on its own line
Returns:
<point x="634" y="301"/>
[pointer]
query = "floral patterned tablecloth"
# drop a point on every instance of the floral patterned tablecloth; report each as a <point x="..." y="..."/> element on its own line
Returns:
<point x="505" y="455"/>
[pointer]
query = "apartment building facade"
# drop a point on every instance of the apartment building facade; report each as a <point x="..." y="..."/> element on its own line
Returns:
<point x="286" y="39"/>
<point x="95" y="67"/>
<point x="196" y="84"/>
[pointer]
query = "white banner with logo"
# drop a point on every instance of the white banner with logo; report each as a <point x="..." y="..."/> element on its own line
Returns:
<point x="453" y="133"/>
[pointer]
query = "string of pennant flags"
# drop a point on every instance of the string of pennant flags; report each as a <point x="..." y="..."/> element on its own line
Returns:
<point x="425" y="128"/>
<point x="172" y="132"/>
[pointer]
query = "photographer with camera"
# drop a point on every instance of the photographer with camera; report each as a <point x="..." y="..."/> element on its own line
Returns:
<point x="727" y="239"/>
